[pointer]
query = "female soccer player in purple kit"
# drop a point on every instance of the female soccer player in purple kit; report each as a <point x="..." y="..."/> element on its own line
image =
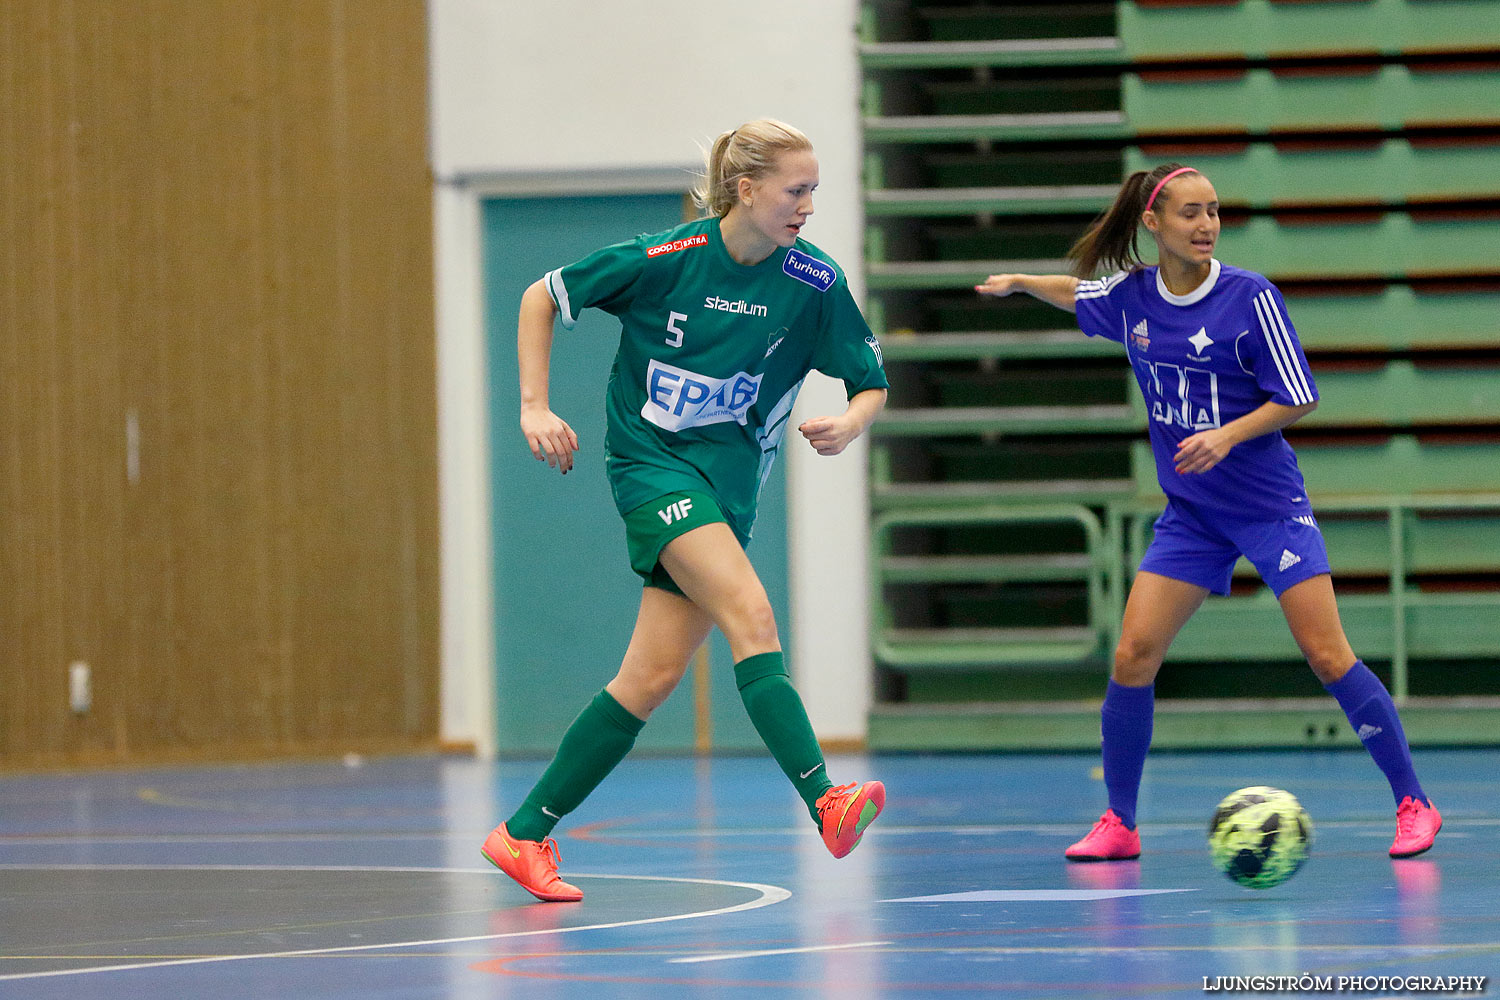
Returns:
<point x="1222" y="373"/>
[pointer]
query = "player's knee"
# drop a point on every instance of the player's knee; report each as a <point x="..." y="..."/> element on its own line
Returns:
<point x="644" y="688"/>
<point x="1329" y="662"/>
<point x="752" y="622"/>
<point x="1137" y="661"/>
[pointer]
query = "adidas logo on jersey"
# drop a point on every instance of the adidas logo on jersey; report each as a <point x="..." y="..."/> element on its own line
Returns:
<point x="1366" y="731"/>
<point x="1288" y="560"/>
<point x="1140" y="337"/>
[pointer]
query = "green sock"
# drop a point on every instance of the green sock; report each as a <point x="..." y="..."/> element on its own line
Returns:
<point x="777" y="712"/>
<point x="597" y="740"/>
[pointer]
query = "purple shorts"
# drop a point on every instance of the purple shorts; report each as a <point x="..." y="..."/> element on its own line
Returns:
<point x="1200" y="546"/>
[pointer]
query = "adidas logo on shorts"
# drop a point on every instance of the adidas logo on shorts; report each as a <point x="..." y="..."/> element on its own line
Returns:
<point x="1288" y="560"/>
<point x="1367" y="730"/>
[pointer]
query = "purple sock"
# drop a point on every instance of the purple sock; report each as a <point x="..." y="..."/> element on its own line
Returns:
<point x="1125" y="724"/>
<point x="1373" y="715"/>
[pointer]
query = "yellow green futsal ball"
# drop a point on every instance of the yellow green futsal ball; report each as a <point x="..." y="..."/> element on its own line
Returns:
<point x="1259" y="836"/>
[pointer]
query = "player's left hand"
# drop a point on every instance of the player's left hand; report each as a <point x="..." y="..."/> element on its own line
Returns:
<point x="830" y="435"/>
<point x="1202" y="451"/>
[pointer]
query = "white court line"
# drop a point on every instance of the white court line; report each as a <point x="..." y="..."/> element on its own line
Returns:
<point x="972" y="830"/>
<point x="778" y="951"/>
<point x="24" y="840"/>
<point x="770" y="894"/>
<point x="476" y="870"/>
<point x="1032" y="895"/>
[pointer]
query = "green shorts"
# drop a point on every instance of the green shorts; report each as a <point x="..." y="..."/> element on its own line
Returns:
<point x="651" y="526"/>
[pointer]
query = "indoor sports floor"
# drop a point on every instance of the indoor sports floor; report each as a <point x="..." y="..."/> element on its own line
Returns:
<point x="704" y="878"/>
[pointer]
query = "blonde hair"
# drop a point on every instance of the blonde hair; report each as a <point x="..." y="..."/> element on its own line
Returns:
<point x="748" y="151"/>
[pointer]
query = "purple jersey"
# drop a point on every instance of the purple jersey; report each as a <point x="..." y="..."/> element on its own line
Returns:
<point x="1202" y="360"/>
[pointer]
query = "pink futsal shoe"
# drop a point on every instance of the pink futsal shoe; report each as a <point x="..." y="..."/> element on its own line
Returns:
<point x="1107" y="841"/>
<point x="1416" y="828"/>
<point x="532" y="864"/>
<point x="845" y="811"/>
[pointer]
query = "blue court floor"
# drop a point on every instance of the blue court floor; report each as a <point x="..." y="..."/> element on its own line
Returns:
<point x="705" y="878"/>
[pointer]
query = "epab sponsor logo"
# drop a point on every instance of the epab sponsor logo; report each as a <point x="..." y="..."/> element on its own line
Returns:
<point x="809" y="270"/>
<point x="677" y="399"/>
<point x="692" y="241"/>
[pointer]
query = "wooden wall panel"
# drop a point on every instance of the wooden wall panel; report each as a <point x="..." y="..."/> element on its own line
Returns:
<point x="217" y="375"/>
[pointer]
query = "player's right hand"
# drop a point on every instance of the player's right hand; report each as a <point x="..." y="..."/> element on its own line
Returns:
<point x="551" y="439"/>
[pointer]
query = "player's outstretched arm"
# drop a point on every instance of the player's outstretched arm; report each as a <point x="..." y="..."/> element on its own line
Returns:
<point x="551" y="439"/>
<point x="831" y="435"/>
<point x="1053" y="289"/>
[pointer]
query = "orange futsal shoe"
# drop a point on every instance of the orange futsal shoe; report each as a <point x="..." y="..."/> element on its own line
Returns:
<point x="1417" y="827"/>
<point x="845" y="811"/>
<point x="531" y="864"/>
<point x="1107" y="841"/>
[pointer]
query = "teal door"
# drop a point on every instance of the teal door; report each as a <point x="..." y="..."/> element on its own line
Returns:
<point x="565" y="597"/>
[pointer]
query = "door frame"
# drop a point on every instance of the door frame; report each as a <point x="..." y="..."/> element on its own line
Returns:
<point x="466" y="629"/>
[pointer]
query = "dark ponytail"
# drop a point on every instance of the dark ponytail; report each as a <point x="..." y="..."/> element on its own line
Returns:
<point x="1111" y="240"/>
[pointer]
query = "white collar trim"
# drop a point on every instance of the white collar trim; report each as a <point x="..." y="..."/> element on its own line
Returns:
<point x="1197" y="294"/>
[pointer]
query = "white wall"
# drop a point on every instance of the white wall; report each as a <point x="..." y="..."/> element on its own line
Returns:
<point x="573" y="95"/>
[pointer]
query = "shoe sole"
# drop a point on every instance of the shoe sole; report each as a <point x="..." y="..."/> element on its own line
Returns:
<point x="863" y="824"/>
<point x="1102" y="857"/>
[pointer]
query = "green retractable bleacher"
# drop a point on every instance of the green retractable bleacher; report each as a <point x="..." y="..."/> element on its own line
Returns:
<point x="1356" y="148"/>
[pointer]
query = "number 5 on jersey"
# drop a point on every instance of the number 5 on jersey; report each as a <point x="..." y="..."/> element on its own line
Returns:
<point x="675" y="340"/>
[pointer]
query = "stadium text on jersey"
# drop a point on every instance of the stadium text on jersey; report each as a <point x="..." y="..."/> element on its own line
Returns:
<point x="739" y="306"/>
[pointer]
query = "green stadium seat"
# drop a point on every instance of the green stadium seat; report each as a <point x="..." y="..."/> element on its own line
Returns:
<point x="1401" y="393"/>
<point x="1024" y="95"/>
<point x="1398" y="467"/>
<point x="1394" y="317"/>
<point x="1462" y="541"/>
<point x="1391" y="245"/>
<point x="1092" y="50"/>
<point x="959" y="23"/>
<point x="907" y="346"/>
<point x="965" y="472"/>
<point x="1349" y="98"/>
<point x="1327" y="172"/>
<point x="1436" y="626"/>
<point x="1262" y="28"/>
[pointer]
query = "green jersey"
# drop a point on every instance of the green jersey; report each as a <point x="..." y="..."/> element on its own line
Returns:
<point x="712" y="353"/>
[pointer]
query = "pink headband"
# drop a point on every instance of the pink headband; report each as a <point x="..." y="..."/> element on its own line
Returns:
<point x="1162" y="183"/>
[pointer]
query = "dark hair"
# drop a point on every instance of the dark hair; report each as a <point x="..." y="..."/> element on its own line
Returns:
<point x="1111" y="239"/>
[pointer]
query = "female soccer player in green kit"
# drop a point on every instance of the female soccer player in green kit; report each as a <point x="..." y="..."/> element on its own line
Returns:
<point x="721" y="320"/>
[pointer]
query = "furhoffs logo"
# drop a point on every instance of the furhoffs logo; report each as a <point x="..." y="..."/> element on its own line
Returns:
<point x="809" y="270"/>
